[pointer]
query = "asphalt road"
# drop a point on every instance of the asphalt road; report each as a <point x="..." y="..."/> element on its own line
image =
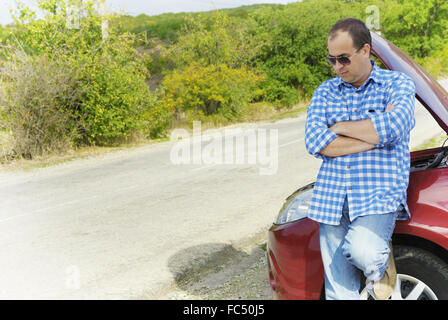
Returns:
<point x="129" y="224"/>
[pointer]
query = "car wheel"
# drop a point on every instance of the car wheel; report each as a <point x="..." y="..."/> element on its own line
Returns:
<point x="420" y="276"/>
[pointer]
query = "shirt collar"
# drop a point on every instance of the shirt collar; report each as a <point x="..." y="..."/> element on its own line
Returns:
<point x="374" y="75"/>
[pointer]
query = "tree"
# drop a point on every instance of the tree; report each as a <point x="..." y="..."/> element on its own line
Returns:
<point x="110" y="72"/>
<point x="419" y="29"/>
<point x="225" y="40"/>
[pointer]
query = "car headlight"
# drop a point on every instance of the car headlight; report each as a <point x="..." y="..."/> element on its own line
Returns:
<point x="296" y="205"/>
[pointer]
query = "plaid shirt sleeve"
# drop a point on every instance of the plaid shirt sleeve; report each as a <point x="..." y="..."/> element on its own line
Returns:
<point x="394" y="125"/>
<point x="317" y="134"/>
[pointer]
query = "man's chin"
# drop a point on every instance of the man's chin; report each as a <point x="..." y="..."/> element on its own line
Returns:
<point x="346" y="79"/>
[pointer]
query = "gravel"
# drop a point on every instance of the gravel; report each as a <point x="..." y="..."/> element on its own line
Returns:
<point x="244" y="277"/>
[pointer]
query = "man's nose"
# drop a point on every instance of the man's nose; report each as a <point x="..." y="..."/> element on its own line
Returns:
<point x="338" y="65"/>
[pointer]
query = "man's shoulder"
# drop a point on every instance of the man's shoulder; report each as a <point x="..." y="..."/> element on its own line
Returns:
<point x="393" y="78"/>
<point x="327" y="86"/>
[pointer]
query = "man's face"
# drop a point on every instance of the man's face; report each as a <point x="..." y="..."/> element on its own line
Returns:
<point x="359" y="68"/>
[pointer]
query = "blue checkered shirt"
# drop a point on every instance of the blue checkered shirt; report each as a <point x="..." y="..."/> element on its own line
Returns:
<point x="374" y="181"/>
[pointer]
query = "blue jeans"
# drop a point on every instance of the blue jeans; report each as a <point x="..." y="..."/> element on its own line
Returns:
<point x="352" y="247"/>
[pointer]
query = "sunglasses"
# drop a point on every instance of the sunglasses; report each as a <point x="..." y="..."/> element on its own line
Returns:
<point x="344" y="60"/>
<point x="341" y="59"/>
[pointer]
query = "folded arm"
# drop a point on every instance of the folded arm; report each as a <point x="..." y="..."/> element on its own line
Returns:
<point x="395" y="125"/>
<point x="356" y="136"/>
<point x="385" y="128"/>
<point x="322" y="141"/>
<point x="342" y="146"/>
<point x="349" y="137"/>
<point x="361" y="130"/>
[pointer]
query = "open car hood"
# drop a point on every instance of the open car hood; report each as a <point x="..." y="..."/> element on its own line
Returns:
<point x="428" y="90"/>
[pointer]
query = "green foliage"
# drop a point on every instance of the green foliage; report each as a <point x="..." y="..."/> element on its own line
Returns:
<point x="210" y="91"/>
<point x="158" y="120"/>
<point x="35" y="102"/>
<point x="165" y="27"/>
<point x="168" y="27"/>
<point x="225" y="41"/>
<point x="293" y="56"/>
<point x="211" y="79"/>
<point x="4" y="33"/>
<point x="115" y="93"/>
<point x="110" y="72"/>
<point x="289" y="43"/>
<point x="420" y="29"/>
<point x="151" y="70"/>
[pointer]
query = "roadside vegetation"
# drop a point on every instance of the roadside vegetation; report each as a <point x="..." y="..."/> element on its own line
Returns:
<point x="434" y="142"/>
<point x="69" y="81"/>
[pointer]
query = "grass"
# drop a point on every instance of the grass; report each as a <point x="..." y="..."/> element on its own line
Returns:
<point x="259" y="111"/>
<point x="289" y="114"/>
<point x="70" y="155"/>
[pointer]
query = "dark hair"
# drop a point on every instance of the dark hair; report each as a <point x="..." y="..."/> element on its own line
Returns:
<point x="356" y="28"/>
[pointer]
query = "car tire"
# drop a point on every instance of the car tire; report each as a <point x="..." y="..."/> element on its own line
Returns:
<point x="424" y="266"/>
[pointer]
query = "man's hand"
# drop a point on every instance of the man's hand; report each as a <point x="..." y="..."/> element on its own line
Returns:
<point x="361" y="130"/>
<point x="390" y="107"/>
<point x="355" y="136"/>
<point x="342" y="146"/>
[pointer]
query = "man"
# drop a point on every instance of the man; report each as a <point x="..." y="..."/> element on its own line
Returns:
<point x="359" y="123"/>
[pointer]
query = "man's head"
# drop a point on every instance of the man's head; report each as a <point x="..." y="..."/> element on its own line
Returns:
<point x="350" y="41"/>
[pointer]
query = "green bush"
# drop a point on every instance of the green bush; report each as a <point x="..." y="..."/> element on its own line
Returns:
<point x="159" y="119"/>
<point x="36" y="99"/>
<point x="209" y="91"/>
<point x="4" y="33"/>
<point x="419" y="28"/>
<point x="115" y="94"/>
<point x="279" y="94"/>
<point x="207" y="66"/>
<point x="110" y="72"/>
<point x="289" y="43"/>
<point x="293" y="55"/>
<point x="225" y="40"/>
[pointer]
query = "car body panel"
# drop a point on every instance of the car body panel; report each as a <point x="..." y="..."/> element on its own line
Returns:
<point x="294" y="260"/>
<point x="428" y="204"/>
<point x="293" y="250"/>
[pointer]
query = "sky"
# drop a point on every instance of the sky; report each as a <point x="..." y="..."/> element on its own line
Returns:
<point x="151" y="7"/>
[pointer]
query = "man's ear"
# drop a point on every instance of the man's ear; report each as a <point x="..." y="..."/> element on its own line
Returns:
<point x="366" y="50"/>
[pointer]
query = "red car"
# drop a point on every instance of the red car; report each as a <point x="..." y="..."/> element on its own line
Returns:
<point x="420" y="245"/>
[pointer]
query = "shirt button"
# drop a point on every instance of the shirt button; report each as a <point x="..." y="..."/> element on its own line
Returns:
<point x="356" y="110"/>
<point x="348" y="167"/>
<point x="350" y="188"/>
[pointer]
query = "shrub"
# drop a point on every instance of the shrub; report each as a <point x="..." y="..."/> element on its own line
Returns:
<point x="115" y="94"/>
<point x="37" y="97"/>
<point x="159" y="119"/>
<point x="293" y="55"/>
<point x="111" y="73"/>
<point x="204" y="91"/>
<point x="223" y="40"/>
